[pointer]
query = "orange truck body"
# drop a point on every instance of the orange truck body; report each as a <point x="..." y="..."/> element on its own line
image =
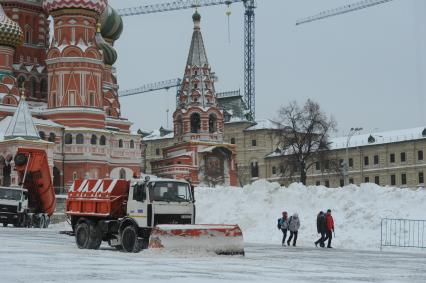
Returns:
<point x="38" y="181"/>
<point x="103" y="198"/>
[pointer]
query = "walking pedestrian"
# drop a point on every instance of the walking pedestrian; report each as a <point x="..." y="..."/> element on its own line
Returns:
<point x="283" y="225"/>
<point x="330" y="228"/>
<point x="321" y="228"/>
<point x="293" y="226"/>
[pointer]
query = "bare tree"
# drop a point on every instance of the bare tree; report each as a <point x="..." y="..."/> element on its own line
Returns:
<point x="304" y="134"/>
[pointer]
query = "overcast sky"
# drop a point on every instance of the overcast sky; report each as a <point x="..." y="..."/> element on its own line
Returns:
<point x="367" y="68"/>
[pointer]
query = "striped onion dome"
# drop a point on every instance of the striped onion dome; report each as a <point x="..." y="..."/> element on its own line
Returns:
<point x="94" y="5"/>
<point x="10" y="32"/>
<point x="110" y="55"/>
<point x="112" y="24"/>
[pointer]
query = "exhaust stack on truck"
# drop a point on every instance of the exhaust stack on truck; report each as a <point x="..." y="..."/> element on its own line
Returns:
<point x="142" y="213"/>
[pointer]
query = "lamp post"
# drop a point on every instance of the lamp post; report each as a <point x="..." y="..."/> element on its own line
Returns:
<point x="351" y="133"/>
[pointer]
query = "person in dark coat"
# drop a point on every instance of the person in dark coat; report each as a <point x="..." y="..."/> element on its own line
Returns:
<point x="330" y="228"/>
<point x="283" y="225"/>
<point x="293" y="226"/>
<point x="321" y="228"/>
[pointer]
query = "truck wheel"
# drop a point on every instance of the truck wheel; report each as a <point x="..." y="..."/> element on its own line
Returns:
<point x="82" y="235"/>
<point x="129" y="240"/>
<point x="4" y="224"/>
<point x="95" y="237"/>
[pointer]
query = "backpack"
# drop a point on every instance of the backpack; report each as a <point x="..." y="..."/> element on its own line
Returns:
<point x="279" y="224"/>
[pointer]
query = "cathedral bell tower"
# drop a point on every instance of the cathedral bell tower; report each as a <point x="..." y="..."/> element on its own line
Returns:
<point x="197" y="116"/>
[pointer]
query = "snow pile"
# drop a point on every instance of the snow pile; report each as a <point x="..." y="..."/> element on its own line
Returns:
<point x="357" y="211"/>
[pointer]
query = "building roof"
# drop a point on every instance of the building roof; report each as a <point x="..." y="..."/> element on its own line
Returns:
<point x="264" y="124"/>
<point x="370" y="139"/>
<point x="159" y="135"/>
<point x="379" y="138"/>
<point x="22" y="124"/>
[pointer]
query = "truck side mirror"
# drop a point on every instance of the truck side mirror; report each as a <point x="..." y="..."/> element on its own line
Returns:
<point x="193" y="193"/>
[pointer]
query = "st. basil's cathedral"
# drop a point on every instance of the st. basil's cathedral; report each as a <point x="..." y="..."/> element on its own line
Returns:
<point x="59" y="92"/>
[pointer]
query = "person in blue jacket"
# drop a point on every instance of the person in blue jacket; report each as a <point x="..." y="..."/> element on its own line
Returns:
<point x="283" y="225"/>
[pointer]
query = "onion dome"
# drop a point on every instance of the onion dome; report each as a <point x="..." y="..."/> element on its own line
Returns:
<point x="112" y="24"/>
<point x="196" y="17"/>
<point x="94" y="5"/>
<point x="10" y="32"/>
<point x="109" y="53"/>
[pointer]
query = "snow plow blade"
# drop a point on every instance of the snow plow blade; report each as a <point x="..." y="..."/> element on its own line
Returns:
<point x="220" y="239"/>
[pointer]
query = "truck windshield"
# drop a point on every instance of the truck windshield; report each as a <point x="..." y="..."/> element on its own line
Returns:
<point x="10" y="194"/>
<point x="170" y="191"/>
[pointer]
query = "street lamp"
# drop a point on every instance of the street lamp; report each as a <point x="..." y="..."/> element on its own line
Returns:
<point x="351" y="133"/>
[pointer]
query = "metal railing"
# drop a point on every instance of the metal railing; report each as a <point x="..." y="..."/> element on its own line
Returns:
<point x="405" y="233"/>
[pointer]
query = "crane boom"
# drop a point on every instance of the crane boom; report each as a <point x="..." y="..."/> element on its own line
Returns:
<point x="151" y="87"/>
<point x="342" y="10"/>
<point x="173" y="6"/>
<point x="249" y="34"/>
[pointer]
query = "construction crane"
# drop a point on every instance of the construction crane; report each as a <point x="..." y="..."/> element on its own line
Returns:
<point x="342" y="10"/>
<point x="151" y="87"/>
<point x="249" y="34"/>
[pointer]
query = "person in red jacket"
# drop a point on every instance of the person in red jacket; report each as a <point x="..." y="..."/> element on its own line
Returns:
<point x="330" y="228"/>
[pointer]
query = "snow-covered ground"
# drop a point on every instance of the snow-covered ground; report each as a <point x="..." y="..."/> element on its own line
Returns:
<point x="357" y="211"/>
<point x="44" y="255"/>
<point x="34" y="255"/>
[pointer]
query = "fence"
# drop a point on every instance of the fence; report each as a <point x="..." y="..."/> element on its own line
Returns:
<point x="406" y="233"/>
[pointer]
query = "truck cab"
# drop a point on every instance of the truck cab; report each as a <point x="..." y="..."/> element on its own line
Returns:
<point x="13" y="205"/>
<point x="161" y="201"/>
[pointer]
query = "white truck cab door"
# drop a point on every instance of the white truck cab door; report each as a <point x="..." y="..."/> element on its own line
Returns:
<point x="137" y="204"/>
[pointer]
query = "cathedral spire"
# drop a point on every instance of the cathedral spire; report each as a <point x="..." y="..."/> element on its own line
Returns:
<point x="197" y="52"/>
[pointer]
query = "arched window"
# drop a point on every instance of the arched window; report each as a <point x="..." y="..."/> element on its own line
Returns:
<point x="43" y="88"/>
<point x="28" y="33"/>
<point x="122" y="173"/>
<point x="68" y="139"/>
<point x="120" y="143"/>
<point x="212" y="123"/>
<point x="94" y="140"/>
<point x="195" y="123"/>
<point x="254" y="170"/>
<point x="179" y="125"/>
<point x="42" y="135"/>
<point x="91" y="99"/>
<point x="102" y="140"/>
<point x="52" y="137"/>
<point x="53" y="97"/>
<point x="33" y="87"/>
<point x="132" y="144"/>
<point x="79" y="139"/>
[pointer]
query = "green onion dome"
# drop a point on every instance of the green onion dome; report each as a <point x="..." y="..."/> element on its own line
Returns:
<point x="196" y="17"/>
<point x="10" y="32"/>
<point x="110" y="55"/>
<point x="112" y="24"/>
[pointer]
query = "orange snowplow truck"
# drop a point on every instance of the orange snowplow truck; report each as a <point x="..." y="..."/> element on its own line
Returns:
<point x="33" y="202"/>
<point x="141" y="213"/>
